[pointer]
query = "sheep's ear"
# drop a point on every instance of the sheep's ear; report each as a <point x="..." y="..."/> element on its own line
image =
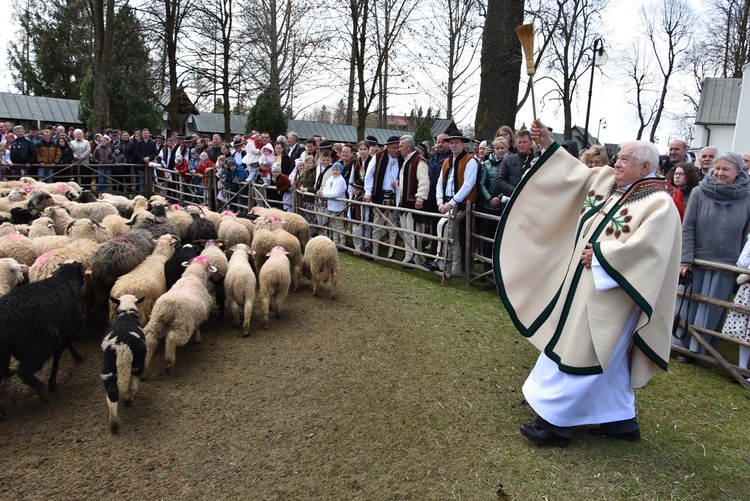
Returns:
<point x="251" y="252"/>
<point x="114" y="300"/>
<point x="186" y="263"/>
<point x="212" y="269"/>
<point x="140" y="300"/>
<point x="70" y="226"/>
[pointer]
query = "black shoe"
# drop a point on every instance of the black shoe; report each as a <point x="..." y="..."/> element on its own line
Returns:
<point x="432" y="266"/>
<point x="490" y="287"/>
<point x="629" y="436"/>
<point x="542" y="436"/>
<point x="683" y="359"/>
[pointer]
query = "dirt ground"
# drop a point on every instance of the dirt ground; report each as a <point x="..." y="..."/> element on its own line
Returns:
<point x="337" y="400"/>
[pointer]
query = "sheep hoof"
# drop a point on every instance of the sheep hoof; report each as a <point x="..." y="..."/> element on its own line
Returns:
<point x="127" y="403"/>
<point x="245" y="334"/>
<point x="114" y="427"/>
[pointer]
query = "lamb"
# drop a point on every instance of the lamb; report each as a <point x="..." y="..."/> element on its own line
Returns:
<point x="124" y="353"/>
<point x="147" y="280"/>
<point x="179" y="314"/>
<point x="292" y="246"/>
<point x="22" y="215"/>
<point x="137" y="205"/>
<point x="40" y="320"/>
<point x="274" y="279"/>
<point x="295" y="224"/>
<point x="321" y="263"/>
<point x="233" y="233"/>
<point x="173" y="267"/>
<point x="19" y="247"/>
<point x="11" y="274"/>
<point x="263" y="241"/>
<point x="239" y="286"/>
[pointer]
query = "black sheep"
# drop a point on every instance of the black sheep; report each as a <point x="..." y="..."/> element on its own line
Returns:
<point x="173" y="267"/>
<point x="19" y="215"/>
<point x="87" y="197"/>
<point x="202" y="229"/>
<point x="41" y="320"/>
<point x="124" y="351"/>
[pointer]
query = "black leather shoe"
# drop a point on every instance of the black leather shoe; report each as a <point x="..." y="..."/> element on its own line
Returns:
<point x="432" y="266"/>
<point x="629" y="436"/>
<point x="542" y="436"/>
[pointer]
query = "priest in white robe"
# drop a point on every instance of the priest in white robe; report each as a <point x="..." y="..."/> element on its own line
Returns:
<point x="587" y="262"/>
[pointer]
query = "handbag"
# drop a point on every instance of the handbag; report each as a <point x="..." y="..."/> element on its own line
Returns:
<point x="686" y="281"/>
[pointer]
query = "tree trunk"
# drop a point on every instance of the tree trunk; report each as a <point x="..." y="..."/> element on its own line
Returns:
<point x="103" y="14"/>
<point x="501" y="67"/>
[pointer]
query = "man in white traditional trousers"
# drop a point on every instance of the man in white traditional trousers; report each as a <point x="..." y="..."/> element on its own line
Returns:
<point x="587" y="262"/>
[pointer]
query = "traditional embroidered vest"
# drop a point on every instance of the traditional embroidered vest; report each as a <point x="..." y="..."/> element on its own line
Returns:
<point x="381" y="166"/>
<point x="458" y="177"/>
<point x="409" y="192"/>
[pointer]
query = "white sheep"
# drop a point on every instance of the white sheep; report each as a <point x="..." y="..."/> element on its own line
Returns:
<point x="7" y="228"/>
<point x="179" y="313"/>
<point x="116" y="224"/>
<point x="124" y="355"/>
<point x="218" y="260"/>
<point x="239" y="287"/>
<point x="61" y="218"/>
<point x="42" y="227"/>
<point x="81" y="246"/>
<point x="321" y="263"/>
<point x="119" y="201"/>
<point x="147" y="280"/>
<point x="19" y="247"/>
<point x="11" y="274"/>
<point x="263" y="241"/>
<point x="274" y="279"/>
<point x="292" y="246"/>
<point x="295" y="224"/>
<point x="233" y="232"/>
<point x="181" y="219"/>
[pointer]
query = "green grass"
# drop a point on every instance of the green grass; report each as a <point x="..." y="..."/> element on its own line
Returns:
<point x="459" y="401"/>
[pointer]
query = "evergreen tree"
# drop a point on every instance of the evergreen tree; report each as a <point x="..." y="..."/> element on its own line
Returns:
<point x="267" y="115"/>
<point x="53" y="50"/>
<point x="423" y="132"/>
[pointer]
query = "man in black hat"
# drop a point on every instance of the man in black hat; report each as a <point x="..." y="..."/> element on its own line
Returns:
<point x="381" y="183"/>
<point x="456" y="185"/>
<point x="237" y="151"/>
<point x="34" y="136"/>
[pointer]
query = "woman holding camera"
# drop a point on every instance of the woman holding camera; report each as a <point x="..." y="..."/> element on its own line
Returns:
<point x="717" y="221"/>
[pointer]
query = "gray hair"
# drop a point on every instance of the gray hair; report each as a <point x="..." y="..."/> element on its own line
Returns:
<point x="733" y="158"/>
<point x="709" y="148"/>
<point x="293" y="134"/>
<point x="408" y="140"/>
<point x="644" y="151"/>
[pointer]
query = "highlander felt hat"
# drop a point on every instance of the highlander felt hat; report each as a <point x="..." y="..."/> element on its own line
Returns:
<point x="393" y="140"/>
<point x="372" y="141"/>
<point x="457" y="135"/>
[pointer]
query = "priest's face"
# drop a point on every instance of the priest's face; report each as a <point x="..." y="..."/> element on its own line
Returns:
<point x="628" y="169"/>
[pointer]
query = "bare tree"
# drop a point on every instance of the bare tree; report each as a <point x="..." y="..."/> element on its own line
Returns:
<point x="452" y="35"/>
<point x="284" y="41"/>
<point x="727" y="43"/>
<point x="668" y="27"/>
<point x="167" y="19"/>
<point x="638" y="72"/>
<point x="373" y="38"/>
<point x="214" y="20"/>
<point x="571" y="28"/>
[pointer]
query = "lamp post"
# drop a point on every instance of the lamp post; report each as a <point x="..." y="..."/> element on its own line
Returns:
<point x="599" y="58"/>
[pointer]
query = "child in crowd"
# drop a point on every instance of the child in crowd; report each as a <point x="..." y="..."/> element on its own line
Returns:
<point x="737" y="324"/>
<point x="283" y="186"/>
<point x="323" y="173"/>
<point x="306" y="184"/>
<point x="119" y="156"/>
<point x="335" y="188"/>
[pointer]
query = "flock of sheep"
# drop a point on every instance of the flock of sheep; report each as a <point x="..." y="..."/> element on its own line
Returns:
<point x="156" y="271"/>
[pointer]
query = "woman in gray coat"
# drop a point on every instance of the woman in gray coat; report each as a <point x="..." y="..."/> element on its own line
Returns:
<point x="716" y="225"/>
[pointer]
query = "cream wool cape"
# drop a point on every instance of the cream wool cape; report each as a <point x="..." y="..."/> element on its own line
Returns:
<point x="558" y="207"/>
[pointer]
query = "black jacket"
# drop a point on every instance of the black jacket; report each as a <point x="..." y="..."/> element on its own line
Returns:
<point x="23" y="151"/>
